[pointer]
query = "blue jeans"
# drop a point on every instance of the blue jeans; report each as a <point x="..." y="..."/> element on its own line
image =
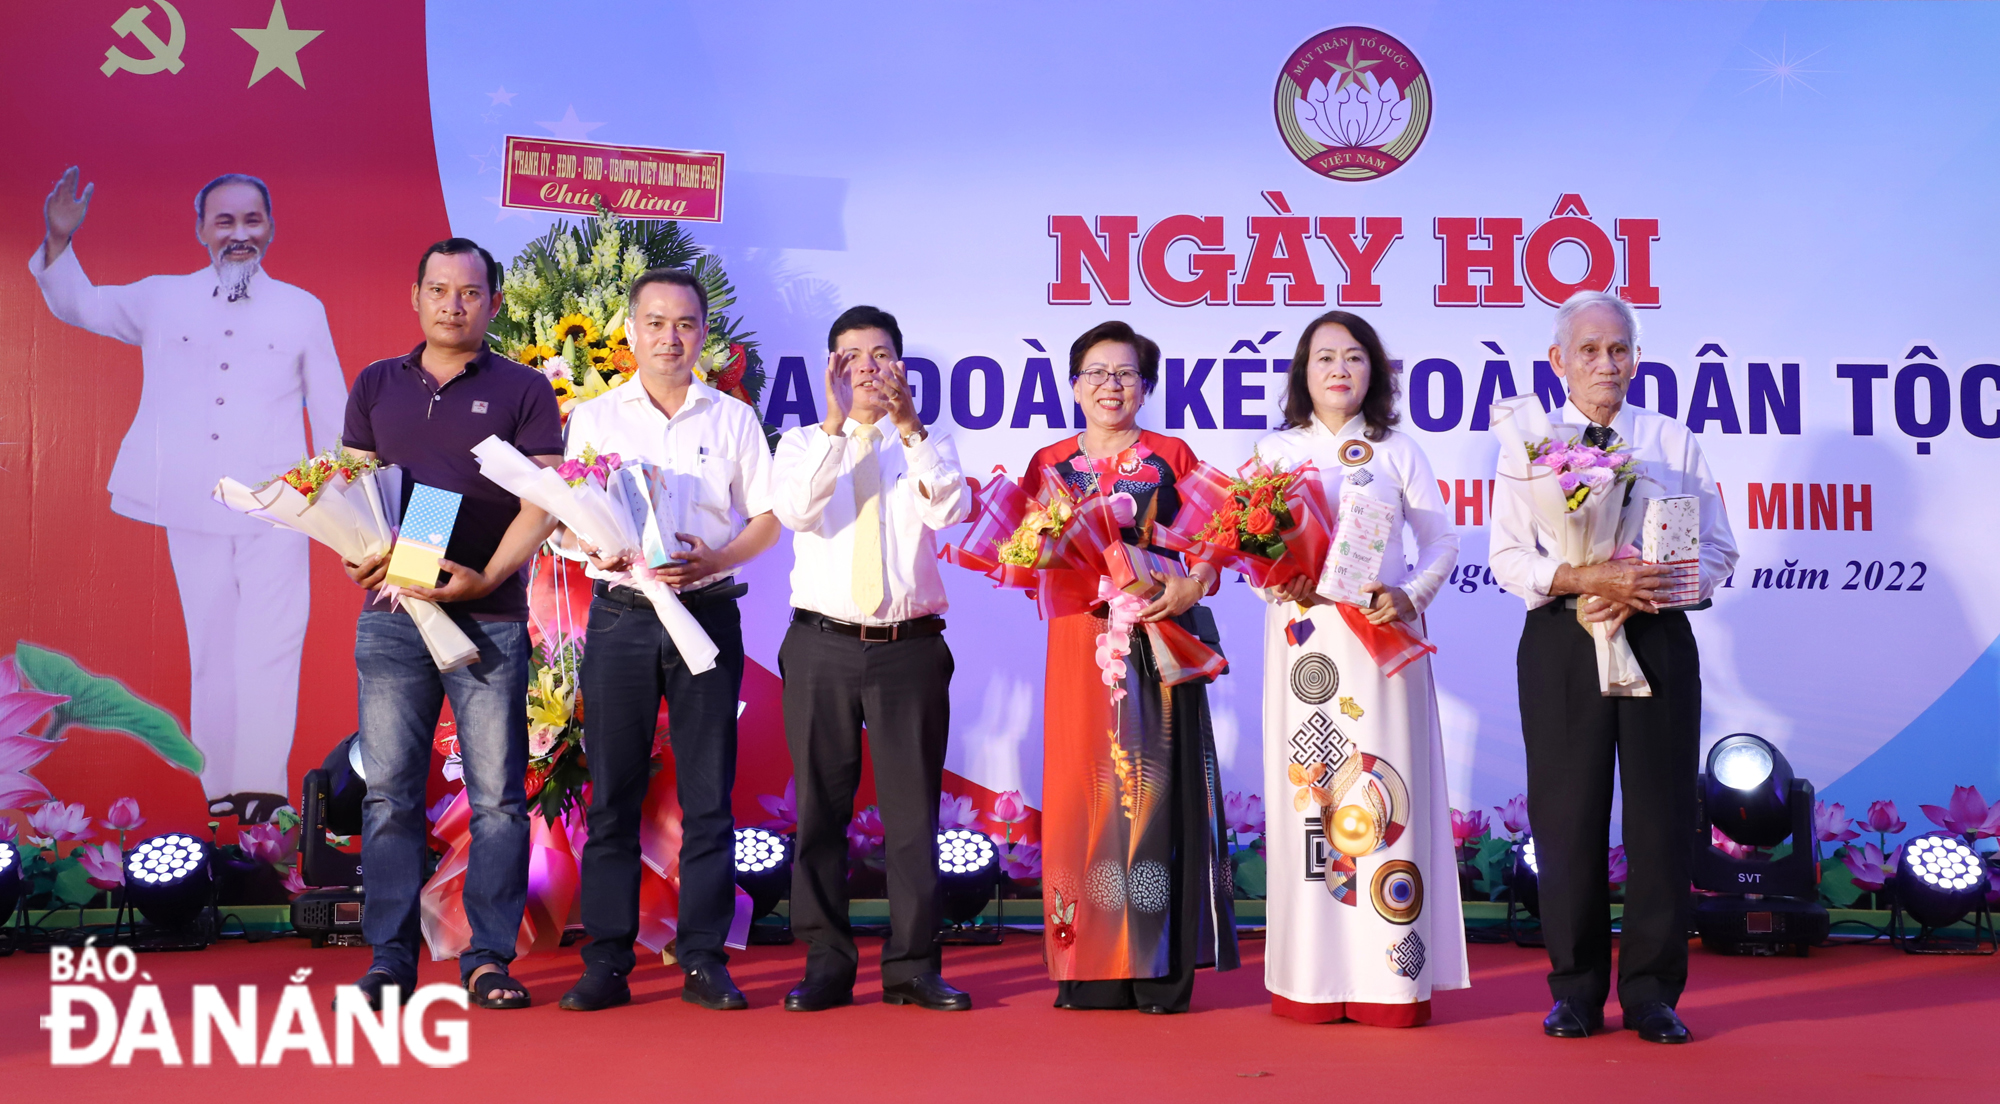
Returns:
<point x="402" y="692"/>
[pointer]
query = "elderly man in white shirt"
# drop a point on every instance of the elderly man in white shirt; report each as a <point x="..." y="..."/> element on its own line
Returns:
<point x="865" y="492"/>
<point x="231" y="357"/>
<point x="707" y="471"/>
<point x="1574" y="730"/>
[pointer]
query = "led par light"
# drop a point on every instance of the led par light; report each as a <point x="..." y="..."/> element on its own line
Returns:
<point x="169" y="880"/>
<point x="968" y="869"/>
<point x="1939" y="880"/>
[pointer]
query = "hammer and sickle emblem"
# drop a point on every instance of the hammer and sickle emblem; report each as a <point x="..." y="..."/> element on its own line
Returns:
<point x="165" y="55"/>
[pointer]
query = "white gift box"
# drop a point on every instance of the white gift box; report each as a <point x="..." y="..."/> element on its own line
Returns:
<point x="1673" y="538"/>
<point x="1355" y="560"/>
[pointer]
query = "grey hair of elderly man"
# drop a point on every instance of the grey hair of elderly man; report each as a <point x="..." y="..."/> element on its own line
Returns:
<point x="1596" y="351"/>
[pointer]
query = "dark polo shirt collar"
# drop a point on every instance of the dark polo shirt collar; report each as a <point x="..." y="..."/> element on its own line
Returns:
<point x="398" y="412"/>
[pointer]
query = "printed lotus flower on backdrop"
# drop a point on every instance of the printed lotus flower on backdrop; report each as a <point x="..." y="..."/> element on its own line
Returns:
<point x="123" y="816"/>
<point x="1020" y="861"/>
<point x="1360" y="111"/>
<point x="8" y="833"/>
<point x="1615" y="865"/>
<point x="956" y="812"/>
<point x="1968" y="814"/>
<point x="1830" y="823"/>
<point x="20" y="708"/>
<point x="1871" y="869"/>
<point x="1467" y="826"/>
<point x="1729" y="846"/>
<point x="784" y="811"/>
<point x="1882" y="818"/>
<point x="864" y="832"/>
<point x="1009" y="808"/>
<point x="266" y="843"/>
<point x="1514" y="817"/>
<point x="295" y="884"/>
<point x="1244" y="814"/>
<point x="56" y="821"/>
<point x="103" y="864"/>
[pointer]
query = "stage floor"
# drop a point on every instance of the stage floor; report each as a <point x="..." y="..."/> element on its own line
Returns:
<point x="1859" y="1021"/>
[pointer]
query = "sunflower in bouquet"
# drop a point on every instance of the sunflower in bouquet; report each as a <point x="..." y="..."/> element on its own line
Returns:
<point x="1254" y="513"/>
<point x="310" y="475"/>
<point x="1040" y="529"/>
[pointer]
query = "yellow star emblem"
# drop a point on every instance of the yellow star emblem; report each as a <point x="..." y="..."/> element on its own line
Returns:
<point x="278" y="46"/>
<point x="1351" y="72"/>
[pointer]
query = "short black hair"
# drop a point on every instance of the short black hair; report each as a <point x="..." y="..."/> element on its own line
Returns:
<point x="201" y="197"/>
<point x="865" y="318"/>
<point x="680" y="277"/>
<point x="452" y="247"/>
<point x="1119" y="333"/>
<point x="1378" y="406"/>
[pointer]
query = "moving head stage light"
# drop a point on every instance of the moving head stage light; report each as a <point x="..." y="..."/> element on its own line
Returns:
<point x="1760" y="906"/>
<point x="1938" y="882"/>
<point x="331" y="911"/>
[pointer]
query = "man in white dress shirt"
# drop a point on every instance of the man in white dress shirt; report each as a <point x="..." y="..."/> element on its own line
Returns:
<point x="231" y="357"/>
<point x="865" y="492"/>
<point x="707" y="467"/>
<point x="1574" y="732"/>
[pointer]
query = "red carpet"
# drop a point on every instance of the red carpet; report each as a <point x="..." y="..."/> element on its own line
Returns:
<point x="1856" y="1021"/>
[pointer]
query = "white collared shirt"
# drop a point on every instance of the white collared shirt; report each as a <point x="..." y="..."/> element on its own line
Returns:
<point x="708" y="468"/>
<point x="223" y="388"/>
<point x="813" y="478"/>
<point x="1670" y="463"/>
<point x="1396" y="471"/>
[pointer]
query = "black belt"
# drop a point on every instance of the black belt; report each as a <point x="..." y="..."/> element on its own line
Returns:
<point x="627" y="596"/>
<point x="931" y="625"/>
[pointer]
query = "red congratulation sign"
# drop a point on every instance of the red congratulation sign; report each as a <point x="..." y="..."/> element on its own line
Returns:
<point x="570" y="178"/>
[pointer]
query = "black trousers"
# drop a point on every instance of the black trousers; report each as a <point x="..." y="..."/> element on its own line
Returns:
<point x="836" y="687"/>
<point x="1574" y="735"/>
<point x="629" y="664"/>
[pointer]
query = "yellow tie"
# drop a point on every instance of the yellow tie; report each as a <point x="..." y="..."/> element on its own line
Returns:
<point x="867" y="581"/>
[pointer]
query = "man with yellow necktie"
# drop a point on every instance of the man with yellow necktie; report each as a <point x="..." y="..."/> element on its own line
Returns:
<point x="865" y="492"/>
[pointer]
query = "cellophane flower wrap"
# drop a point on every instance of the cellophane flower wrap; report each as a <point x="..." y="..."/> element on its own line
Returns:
<point x="350" y="504"/>
<point x="604" y="518"/>
<point x="1058" y="548"/>
<point x="1581" y="493"/>
<point x="1272" y="524"/>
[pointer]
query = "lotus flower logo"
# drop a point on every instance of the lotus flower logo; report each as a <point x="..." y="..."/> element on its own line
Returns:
<point x="1353" y="103"/>
<point x="1359" y="114"/>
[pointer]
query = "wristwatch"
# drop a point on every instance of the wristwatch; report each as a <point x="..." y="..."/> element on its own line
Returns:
<point x="911" y="440"/>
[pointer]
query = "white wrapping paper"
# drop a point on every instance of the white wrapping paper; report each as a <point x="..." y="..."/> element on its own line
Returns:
<point x="1591" y="534"/>
<point x="590" y="514"/>
<point x="354" y="521"/>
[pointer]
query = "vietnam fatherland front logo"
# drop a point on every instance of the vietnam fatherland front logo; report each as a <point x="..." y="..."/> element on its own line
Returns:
<point x="1353" y="103"/>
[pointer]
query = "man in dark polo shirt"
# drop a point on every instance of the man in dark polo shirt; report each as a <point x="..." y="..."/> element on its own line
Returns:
<point x="425" y="411"/>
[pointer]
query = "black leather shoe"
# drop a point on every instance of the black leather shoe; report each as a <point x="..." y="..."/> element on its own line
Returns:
<point x="710" y="987"/>
<point x="595" y="991"/>
<point x="1657" y="1022"/>
<point x="1569" y="1019"/>
<point x="1157" y="1010"/>
<point x="928" y="991"/>
<point x="818" y="995"/>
